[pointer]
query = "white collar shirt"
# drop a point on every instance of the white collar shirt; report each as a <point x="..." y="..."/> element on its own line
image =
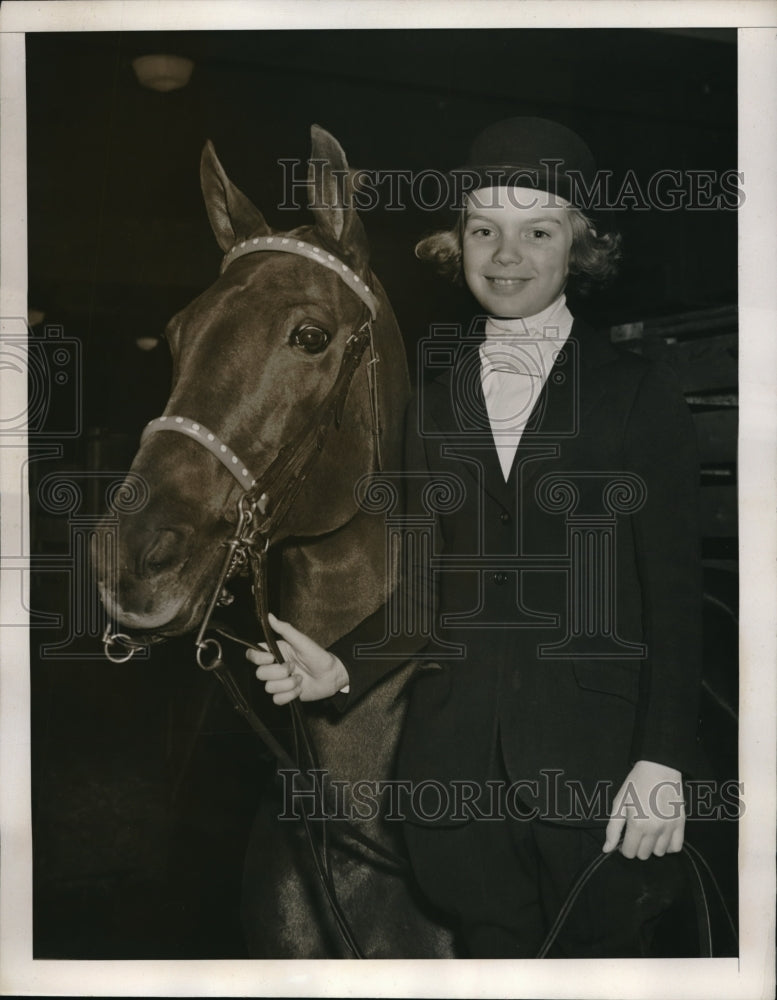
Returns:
<point x="515" y="361"/>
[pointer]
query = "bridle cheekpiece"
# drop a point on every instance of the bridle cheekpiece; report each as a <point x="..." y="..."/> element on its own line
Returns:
<point x="267" y="499"/>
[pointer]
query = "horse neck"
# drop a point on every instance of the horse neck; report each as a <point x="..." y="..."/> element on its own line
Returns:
<point x="331" y="583"/>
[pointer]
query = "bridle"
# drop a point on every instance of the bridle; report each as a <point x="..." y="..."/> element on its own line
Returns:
<point x="261" y="509"/>
<point x="267" y="499"/>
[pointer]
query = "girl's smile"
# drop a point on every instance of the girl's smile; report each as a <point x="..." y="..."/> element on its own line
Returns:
<point x="515" y="256"/>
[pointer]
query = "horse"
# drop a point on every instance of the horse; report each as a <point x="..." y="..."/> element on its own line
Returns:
<point x="265" y="368"/>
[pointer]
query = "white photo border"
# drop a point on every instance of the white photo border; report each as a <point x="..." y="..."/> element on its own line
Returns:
<point x="752" y="975"/>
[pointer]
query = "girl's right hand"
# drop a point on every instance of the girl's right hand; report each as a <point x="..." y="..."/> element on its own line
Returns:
<point x="308" y="672"/>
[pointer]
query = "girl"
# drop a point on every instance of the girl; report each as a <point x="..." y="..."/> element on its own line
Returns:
<point x="556" y="713"/>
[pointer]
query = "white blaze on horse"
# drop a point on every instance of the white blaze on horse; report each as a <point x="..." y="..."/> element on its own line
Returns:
<point x="277" y="417"/>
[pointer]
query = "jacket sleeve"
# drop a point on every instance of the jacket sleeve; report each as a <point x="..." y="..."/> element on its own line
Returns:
<point x="660" y="446"/>
<point x="413" y="600"/>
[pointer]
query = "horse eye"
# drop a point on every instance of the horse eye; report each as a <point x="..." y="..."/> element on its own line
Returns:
<point x="310" y="338"/>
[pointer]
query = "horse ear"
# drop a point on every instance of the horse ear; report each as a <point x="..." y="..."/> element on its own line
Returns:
<point x="331" y="192"/>
<point x="232" y="216"/>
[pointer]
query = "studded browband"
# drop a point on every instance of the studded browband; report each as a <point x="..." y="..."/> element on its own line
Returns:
<point x="288" y="244"/>
<point x="282" y="244"/>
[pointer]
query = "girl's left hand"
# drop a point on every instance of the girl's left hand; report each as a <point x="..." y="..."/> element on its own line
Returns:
<point x="650" y="805"/>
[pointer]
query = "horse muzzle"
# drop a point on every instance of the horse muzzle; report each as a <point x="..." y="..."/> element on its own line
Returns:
<point x="149" y="580"/>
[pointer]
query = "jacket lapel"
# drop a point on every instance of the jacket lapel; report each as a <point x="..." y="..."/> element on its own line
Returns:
<point x="554" y="417"/>
<point x="461" y="414"/>
<point x="571" y="389"/>
<point x="493" y="478"/>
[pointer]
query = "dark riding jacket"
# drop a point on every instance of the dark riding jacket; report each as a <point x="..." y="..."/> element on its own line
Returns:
<point x="556" y="616"/>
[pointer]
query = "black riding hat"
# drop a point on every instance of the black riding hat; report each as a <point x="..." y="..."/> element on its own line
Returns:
<point x="528" y="152"/>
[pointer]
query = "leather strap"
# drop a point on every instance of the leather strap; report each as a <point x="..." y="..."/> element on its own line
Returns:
<point x="284" y="477"/>
<point x="277" y="489"/>
<point x="690" y="856"/>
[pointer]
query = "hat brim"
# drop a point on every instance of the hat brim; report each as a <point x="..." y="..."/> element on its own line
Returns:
<point x="544" y="177"/>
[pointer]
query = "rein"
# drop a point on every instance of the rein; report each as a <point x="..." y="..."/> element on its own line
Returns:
<point x="692" y="858"/>
<point x="262" y="507"/>
<point x="266" y="500"/>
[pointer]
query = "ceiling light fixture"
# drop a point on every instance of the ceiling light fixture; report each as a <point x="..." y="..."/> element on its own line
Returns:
<point x="147" y="343"/>
<point x="163" y="72"/>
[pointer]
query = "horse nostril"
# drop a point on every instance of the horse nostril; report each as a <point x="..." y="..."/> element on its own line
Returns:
<point x="164" y="552"/>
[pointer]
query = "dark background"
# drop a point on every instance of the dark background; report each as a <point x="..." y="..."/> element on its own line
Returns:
<point x="118" y="240"/>
<point x="118" y="236"/>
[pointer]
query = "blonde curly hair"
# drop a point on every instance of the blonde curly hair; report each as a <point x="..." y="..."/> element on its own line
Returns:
<point x="593" y="259"/>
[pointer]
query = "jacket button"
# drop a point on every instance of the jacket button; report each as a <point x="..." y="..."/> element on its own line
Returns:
<point x="500" y="578"/>
<point x="504" y="517"/>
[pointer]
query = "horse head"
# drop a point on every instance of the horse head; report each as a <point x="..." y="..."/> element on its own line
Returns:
<point x="257" y="359"/>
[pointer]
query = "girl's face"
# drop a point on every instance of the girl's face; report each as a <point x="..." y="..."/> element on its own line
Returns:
<point x="515" y="249"/>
